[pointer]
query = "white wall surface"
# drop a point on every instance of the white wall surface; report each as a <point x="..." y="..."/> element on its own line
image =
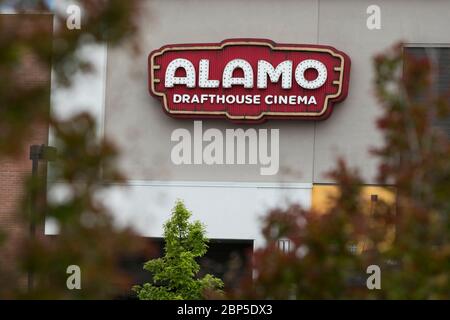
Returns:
<point x="228" y="210"/>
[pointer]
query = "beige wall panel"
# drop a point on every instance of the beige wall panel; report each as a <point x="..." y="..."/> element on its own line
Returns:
<point x="135" y="120"/>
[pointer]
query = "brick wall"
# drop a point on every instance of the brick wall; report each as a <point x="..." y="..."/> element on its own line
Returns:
<point x="14" y="170"/>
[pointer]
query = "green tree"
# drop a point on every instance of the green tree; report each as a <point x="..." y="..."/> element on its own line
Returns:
<point x="175" y="274"/>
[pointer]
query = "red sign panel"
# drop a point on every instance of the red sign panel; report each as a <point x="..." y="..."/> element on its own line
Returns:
<point x="249" y="80"/>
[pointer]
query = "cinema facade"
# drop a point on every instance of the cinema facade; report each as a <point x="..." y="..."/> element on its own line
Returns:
<point x="233" y="160"/>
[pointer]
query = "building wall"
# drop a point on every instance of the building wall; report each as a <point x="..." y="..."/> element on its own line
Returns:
<point x="229" y="210"/>
<point x="351" y="131"/>
<point x="222" y="196"/>
<point x="136" y="121"/>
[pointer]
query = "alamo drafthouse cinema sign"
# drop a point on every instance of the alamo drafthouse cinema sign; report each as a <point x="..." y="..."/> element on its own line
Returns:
<point x="249" y="80"/>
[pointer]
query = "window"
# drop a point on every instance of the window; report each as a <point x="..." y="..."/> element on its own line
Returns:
<point x="440" y="59"/>
<point x="284" y="245"/>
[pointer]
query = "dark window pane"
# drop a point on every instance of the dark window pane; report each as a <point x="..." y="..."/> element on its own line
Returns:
<point x="440" y="58"/>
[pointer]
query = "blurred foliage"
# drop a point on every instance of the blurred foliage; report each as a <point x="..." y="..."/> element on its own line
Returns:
<point x="175" y="274"/>
<point x="414" y="259"/>
<point x="87" y="236"/>
<point x="30" y="47"/>
<point x="32" y="40"/>
<point x="408" y="239"/>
